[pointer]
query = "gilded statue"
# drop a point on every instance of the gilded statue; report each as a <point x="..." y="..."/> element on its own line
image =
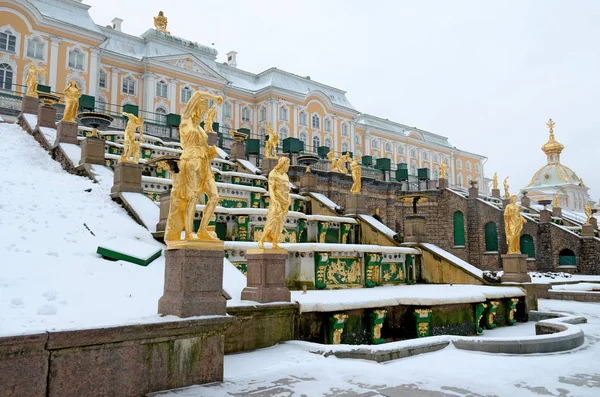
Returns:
<point x="443" y="171"/>
<point x="506" y="193"/>
<point x="495" y="181"/>
<point x="342" y="161"/>
<point x="32" y="79"/>
<point x="195" y="176"/>
<point x="331" y="157"/>
<point x="588" y="213"/>
<point x="513" y="224"/>
<point x="131" y="148"/>
<point x="556" y="202"/>
<point x="581" y="182"/>
<point x="272" y="142"/>
<point x="211" y="115"/>
<point x="160" y="22"/>
<point x="279" y="203"/>
<point x="356" y="173"/>
<point x="72" y="95"/>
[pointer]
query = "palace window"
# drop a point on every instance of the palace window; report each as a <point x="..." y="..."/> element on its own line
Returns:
<point x="186" y="94"/>
<point x="446" y="161"/>
<point x="263" y="113"/>
<point x="8" y="41"/>
<point x="316" y="143"/>
<point x="344" y="129"/>
<point x="283" y="133"/>
<point x="357" y="139"/>
<point x="358" y="154"/>
<point x="302" y="118"/>
<point x="316" y="121"/>
<point x="425" y="155"/>
<point x="345" y="147"/>
<point x="468" y="165"/>
<point x="401" y="149"/>
<point x="304" y="139"/>
<point x="227" y="110"/>
<point x="161" y="116"/>
<point x="102" y="79"/>
<point x="459" y="164"/>
<point x="459" y="180"/>
<point x="128" y="86"/>
<point x="246" y="114"/>
<point x="76" y="59"/>
<point x="477" y="168"/>
<point x="413" y="153"/>
<point x="162" y="89"/>
<point x="283" y="113"/>
<point x="328" y="143"/>
<point x="35" y="48"/>
<point x="436" y="173"/>
<point x="6" y="76"/>
<point x="374" y="144"/>
<point x="262" y="136"/>
<point x="436" y="158"/>
<point x="327" y="124"/>
<point x="388" y="147"/>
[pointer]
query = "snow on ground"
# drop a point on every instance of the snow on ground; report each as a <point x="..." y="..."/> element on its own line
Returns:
<point x="289" y="369"/>
<point x="454" y="259"/>
<point x="559" y="277"/>
<point x="577" y="287"/>
<point x="72" y="151"/>
<point x="147" y="210"/>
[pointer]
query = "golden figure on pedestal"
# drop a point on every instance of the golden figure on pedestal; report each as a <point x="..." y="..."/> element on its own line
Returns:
<point x="211" y="115"/>
<point x="160" y="22"/>
<point x="72" y="95"/>
<point x="131" y="148"/>
<point x="279" y="203"/>
<point x="443" y="171"/>
<point x="272" y="142"/>
<point x="195" y="177"/>
<point x="495" y="181"/>
<point x="338" y="165"/>
<point x="588" y="213"/>
<point x="513" y="224"/>
<point x="506" y="193"/>
<point x="32" y="79"/>
<point x="356" y="174"/>
<point x="556" y="202"/>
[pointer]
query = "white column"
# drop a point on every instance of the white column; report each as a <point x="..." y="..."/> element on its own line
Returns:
<point x="54" y="42"/>
<point x="352" y="136"/>
<point x="93" y="86"/>
<point x="367" y="144"/>
<point x="453" y="181"/>
<point x="335" y="135"/>
<point x="296" y="115"/>
<point x="220" y="111"/>
<point x="254" y="117"/>
<point x="274" y="113"/>
<point x="114" y="90"/>
<point x="237" y="115"/>
<point x="149" y="88"/>
<point x="173" y="95"/>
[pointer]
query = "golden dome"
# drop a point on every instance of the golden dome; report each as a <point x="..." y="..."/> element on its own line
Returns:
<point x="552" y="146"/>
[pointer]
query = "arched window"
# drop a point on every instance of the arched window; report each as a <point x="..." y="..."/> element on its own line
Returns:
<point x="388" y="147"/>
<point x="186" y="94"/>
<point x="6" y="76"/>
<point x="468" y="165"/>
<point x="345" y="129"/>
<point x="76" y="59"/>
<point x="436" y="158"/>
<point x="316" y="142"/>
<point x="358" y="154"/>
<point x="469" y="179"/>
<point x="162" y="89"/>
<point x="328" y="143"/>
<point x="283" y="113"/>
<point x="101" y="104"/>
<point x="161" y="116"/>
<point x="304" y="138"/>
<point x="316" y="121"/>
<point x="401" y="149"/>
<point x="263" y="113"/>
<point x="374" y="144"/>
<point x="413" y="169"/>
<point x="425" y="156"/>
<point x="283" y="133"/>
<point x="128" y="86"/>
<point x="327" y="124"/>
<point x="246" y="114"/>
<point x="459" y="180"/>
<point x="35" y="48"/>
<point x="262" y="136"/>
<point x="413" y="153"/>
<point x="8" y="41"/>
<point x="345" y="147"/>
<point x="446" y="161"/>
<point x="459" y="229"/>
<point x="527" y="246"/>
<point x="357" y="139"/>
<point x="436" y="173"/>
<point x="459" y="164"/>
<point x="567" y="257"/>
<point x="375" y="156"/>
<point x="477" y="168"/>
<point x="491" y="237"/>
<point x="302" y="118"/>
<point x="102" y="79"/>
<point x="227" y="110"/>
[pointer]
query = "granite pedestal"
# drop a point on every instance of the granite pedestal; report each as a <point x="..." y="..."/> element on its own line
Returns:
<point x="545" y="216"/>
<point x="213" y="139"/>
<point x="505" y="202"/>
<point x="193" y="283"/>
<point x="46" y="116"/>
<point x="30" y="105"/>
<point x="473" y="193"/>
<point x="496" y="193"/>
<point x="267" y="165"/>
<point x="66" y="132"/>
<point x="557" y="212"/>
<point x="442" y="183"/>
<point x="266" y="276"/>
<point x="587" y="230"/>
<point x="307" y="182"/>
<point x="515" y="268"/>
<point x="92" y="151"/>
<point x="128" y="178"/>
<point x="238" y="151"/>
<point x="525" y="201"/>
<point x="415" y="229"/>
<point x="356" y="204"/>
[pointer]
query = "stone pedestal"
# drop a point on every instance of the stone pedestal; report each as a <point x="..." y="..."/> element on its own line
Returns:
<point x="253" y="158"/>
<point x="325" y="165"/>
<point x="515" y="268"/>
<point x="356" y="204"/>
<point x="404" y="185"/>
<point x="92" y="151"/>
<point x="415" y="229"/>
<point x="30" y="105"/>
<point x="557" y="212"/>
<point x="238" y="151"/>
<point x="545" y="216"/>
<point x="473" y="192"/>
<point x="128" y="178"/>
<point x="525" y="201"/>
<point x="266" y="276"/>
<point x="594" y="222"/>
<point x="587" y="231"/>
<point x="496" y="193"/>
<point x="423" y="184"/>
<point x="165" y="204"/>
<point x="213" y="139"/>
<point x="46" y="116"/>
<point x="307" y="182"/>
<point x="193" y="283"/>
<point x="66" y="132"/>
<point x="267" y="165"/>
<point x="294" y="158"/>
<point x="442" y="183"/>
<point x="505" y="202"/>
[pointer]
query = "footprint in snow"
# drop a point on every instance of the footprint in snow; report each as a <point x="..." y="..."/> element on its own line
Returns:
<point x="47" y="310"/>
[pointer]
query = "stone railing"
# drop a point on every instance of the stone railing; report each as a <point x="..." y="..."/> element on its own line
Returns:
<point x="10" y="105"/>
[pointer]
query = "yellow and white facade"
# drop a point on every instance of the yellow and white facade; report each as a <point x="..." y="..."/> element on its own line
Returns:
<point x="158" y="72"/>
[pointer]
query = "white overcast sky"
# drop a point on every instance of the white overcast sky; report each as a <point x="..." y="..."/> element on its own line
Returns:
<point x="488" y="75"/>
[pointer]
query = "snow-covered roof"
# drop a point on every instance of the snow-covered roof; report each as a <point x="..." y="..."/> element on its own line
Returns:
<point x="66" y="11"/>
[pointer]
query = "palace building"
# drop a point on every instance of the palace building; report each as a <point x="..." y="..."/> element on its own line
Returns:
<point x="157" y="72"/>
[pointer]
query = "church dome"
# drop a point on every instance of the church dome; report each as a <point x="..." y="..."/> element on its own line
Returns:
<point x="553" y="175"/>
<point x="552" y="146"/>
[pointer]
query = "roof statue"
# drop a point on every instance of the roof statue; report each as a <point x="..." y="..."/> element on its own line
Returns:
<point x="589" y="213"/>
<point x="556" y="202"/>
<point x="160" y="23"/>
<point x="495" y="181"/>
<point x="506" y="194"/>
